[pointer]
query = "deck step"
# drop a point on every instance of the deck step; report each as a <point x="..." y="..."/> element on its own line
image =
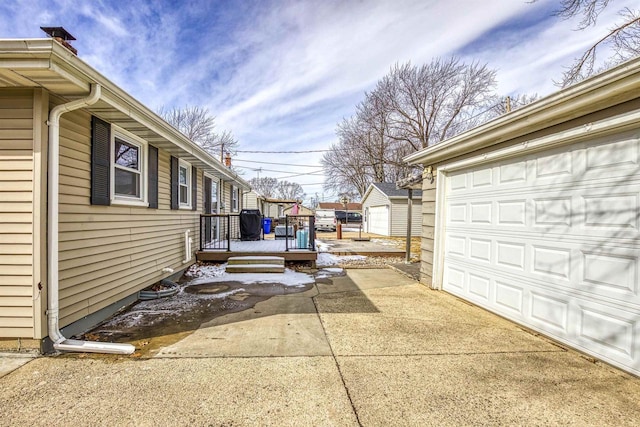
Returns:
<point x="255" y="268"/>
<point x="255" y="264"/>
<point x="244" y="260"/>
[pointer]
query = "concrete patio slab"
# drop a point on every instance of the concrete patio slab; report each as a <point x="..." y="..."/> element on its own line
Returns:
<point x="374" y="348"/>
<point x="358" y="280"/>
<point x="412" y="319"/>
<point x="520" y="388"/>
<point x="11" y="361"/>
<point x="111" y="391"/>
<point x="280" y="326"/>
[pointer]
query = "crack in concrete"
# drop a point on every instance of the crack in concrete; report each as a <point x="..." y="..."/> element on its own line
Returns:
<point x="335" y="360"/>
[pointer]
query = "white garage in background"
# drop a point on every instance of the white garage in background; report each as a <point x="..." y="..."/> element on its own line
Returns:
<point x="384" y="210"/>
<point x="544" y="228"/>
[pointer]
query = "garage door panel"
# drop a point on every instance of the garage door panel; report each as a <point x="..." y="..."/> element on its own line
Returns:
<point x="612" y="332"/>
<point x="610" y="273"/>
<point x="552" y="240"/>
<point x="379" y="220"/>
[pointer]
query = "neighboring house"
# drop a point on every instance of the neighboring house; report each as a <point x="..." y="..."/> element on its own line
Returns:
<point x="351" y="207"/>
<point x="126" y="187"/>
<point x="269" y="207"/>
<point x="536" y="216"/>
<point x="385" y="210"/>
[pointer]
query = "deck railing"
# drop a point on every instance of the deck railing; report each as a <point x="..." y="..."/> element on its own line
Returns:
<point x="303" y="224"/>
<point x="218" y="231"/>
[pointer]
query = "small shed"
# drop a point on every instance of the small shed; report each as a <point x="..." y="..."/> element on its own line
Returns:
<point x="302" y="210"/>
<point x="385" y="210"/>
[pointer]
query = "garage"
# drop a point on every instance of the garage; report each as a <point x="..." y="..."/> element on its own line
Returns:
<point x="551" y="240"/>
<point x="377" y="220"/>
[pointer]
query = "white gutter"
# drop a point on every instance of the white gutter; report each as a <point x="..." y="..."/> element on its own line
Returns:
<point x="53" y="312"/>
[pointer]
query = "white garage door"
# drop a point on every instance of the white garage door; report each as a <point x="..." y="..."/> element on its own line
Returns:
<point x="378" y="221"/>
<point x="552" y="241"/>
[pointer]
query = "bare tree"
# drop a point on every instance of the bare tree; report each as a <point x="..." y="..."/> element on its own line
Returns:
<point x="264" y="186"/>
<point x="623" y="38"/>
<point x="289" y="190"/>
<point x="197" y="124"/>
<point x="432" y="102"/>
<point x="409" y="109"/>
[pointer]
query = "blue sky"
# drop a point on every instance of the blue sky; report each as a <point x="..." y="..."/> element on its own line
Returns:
<point x="281" y="74"/>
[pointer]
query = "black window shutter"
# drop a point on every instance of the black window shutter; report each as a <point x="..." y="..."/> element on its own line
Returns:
<point x="207" y="195"/>
<point x="152" y="177"/>
<point x="174" y="182"/>
<point x="100" y="162"/>
<point x="194" y="188"/>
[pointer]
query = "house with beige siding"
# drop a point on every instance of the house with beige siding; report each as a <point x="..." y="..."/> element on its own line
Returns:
<point x="536" y="216"/>
<point x="385" y="210"/>
<point x="118" y="190"/>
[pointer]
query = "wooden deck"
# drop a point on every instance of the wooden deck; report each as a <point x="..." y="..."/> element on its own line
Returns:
<point x="269" y="247"/>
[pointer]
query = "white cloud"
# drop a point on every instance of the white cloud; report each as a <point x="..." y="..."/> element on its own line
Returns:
<point x="280" y="74"/>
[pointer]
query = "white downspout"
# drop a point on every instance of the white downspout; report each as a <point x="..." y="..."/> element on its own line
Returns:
<point x="53" y="312"/>
<point x="187" y="247"/>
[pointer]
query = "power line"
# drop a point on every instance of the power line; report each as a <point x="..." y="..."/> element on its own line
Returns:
<point x="279" y="164"/>
<point x="281" y="152"/>
<point x="278" y="171"/>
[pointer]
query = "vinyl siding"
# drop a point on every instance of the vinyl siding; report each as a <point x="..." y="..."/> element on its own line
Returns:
<point x="250" y="201"/>
<point x="399" y="217"/>
<point x="428" y="231"/>
<point x="16" y="213"/>
<point x="110" y="252"/>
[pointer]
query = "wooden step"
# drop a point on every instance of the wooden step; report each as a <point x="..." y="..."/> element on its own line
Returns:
<point x="245" y="260"/>
<point x="255" y="268"/>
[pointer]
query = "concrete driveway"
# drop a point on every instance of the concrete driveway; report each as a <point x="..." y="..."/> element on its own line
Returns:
<point x="371" y="348"/>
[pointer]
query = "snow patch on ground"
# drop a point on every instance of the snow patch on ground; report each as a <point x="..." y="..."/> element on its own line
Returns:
<point x="322" y="246"/>
<point x="326" y="273"/>
<point x="196" y="271"/>
<point x="204" y="274"/>
<point x="327" y="259"/>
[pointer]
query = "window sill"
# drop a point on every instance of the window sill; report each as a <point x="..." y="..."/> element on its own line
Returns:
<point x="125" y="202"/>
<point x="184" y="207"/>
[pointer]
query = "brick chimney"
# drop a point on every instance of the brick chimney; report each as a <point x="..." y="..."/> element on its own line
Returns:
<point x="62" y="36"/>
<point x="227" y="160"/>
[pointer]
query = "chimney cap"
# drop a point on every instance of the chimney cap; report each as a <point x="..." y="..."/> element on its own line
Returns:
<point x="58" y="32"/>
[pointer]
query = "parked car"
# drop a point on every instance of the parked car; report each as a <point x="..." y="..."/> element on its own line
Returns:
<point x="348" y="217"/>
<point x="325" y="220"/>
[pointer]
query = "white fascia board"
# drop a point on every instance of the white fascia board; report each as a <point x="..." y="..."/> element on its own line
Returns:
<point x="366" y="193"/>
<point x="613" y="87"/>
<point x="608" y="126"/>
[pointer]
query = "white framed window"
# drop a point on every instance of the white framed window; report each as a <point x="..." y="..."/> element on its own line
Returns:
<point x="128" y="169"/>
<point x="184" y="185"/>
<point x="234" y="198"/>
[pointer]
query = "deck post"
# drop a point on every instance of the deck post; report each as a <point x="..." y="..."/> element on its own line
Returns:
<point x="286" y="233"/>
<point x="201" y="231"/>
<point x="228" y="233"/>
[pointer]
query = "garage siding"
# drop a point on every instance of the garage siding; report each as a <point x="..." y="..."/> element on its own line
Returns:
<point x="109" y="252"/>
<point x="399" y="217"/>
<point x="428" y="231"/>
<point x="16" y="213"/>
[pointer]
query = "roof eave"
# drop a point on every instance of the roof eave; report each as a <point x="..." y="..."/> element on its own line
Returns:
<point x="51" y="55"/>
